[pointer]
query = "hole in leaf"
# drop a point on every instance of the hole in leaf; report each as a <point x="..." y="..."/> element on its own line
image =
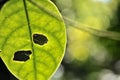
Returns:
<point x="22" y="55"/>
<point x="40" y="39"/>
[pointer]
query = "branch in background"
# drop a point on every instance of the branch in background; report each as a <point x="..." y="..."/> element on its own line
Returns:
<point x="96" y="32"/>
<point x="80" y="26"/>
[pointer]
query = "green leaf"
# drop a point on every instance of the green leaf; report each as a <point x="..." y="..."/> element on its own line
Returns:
<point x="32" y="42"/>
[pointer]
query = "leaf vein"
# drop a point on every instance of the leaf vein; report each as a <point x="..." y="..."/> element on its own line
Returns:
<point x="28" y="22"/>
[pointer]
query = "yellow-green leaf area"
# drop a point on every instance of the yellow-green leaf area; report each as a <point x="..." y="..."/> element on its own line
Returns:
<point x="32" y="41"/>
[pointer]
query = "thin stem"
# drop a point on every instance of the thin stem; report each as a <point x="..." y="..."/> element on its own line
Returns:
<point x="79" y="25"/>
<point x="96" y="32"/>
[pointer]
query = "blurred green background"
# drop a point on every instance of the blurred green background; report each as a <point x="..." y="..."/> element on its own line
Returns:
<point x="90" y="57"/>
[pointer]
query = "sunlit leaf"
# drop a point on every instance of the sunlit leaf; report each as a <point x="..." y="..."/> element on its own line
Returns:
<point x="32" y="42"/>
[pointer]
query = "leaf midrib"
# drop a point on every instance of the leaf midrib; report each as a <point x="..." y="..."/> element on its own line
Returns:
<point x="30" y="34"/>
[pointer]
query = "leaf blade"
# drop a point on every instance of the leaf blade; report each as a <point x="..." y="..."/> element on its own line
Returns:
<point x="44" y="59"/>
